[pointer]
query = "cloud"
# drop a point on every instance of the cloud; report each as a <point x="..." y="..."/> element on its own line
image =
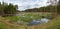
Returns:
<point x="27" y="4"/>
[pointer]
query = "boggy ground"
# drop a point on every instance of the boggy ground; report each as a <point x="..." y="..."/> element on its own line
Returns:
<point x="6" y="24"/>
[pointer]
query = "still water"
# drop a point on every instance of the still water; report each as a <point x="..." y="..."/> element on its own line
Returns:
<point x="36" y="22"/>
<point x="41" y="21"/>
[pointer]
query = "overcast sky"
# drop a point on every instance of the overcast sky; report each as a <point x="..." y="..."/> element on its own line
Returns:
<point x="27" y="4"/>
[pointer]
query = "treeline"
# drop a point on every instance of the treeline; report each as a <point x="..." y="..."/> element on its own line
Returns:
<point x="49" y="8"/>
<point x="42" y="9"/>
<point x="58" y="7"/>
<point x="6" y="9"/>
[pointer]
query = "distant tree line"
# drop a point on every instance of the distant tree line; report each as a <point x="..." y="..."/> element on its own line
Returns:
<point x="41" y="9"/>
<point x="6" y="9"/>
<point x="58" y="7"/>
<point x="46" y="9"/>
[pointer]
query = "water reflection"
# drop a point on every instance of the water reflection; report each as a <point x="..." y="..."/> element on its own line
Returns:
<point x="35" y="22"/>
<point x="44" y="20"/>
<point x="41" y="21"/>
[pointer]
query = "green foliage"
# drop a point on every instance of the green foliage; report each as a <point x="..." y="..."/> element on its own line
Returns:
<point x="12" y="18"/>
<point x="5" y="26"/>
<point x="28" y="17"/>
<point x="8" y="9"/>
<point x="11" y="9"/>
<point x="2" y="25"/>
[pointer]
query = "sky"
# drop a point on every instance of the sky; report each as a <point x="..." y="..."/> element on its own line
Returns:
<point x="27" y="4"/>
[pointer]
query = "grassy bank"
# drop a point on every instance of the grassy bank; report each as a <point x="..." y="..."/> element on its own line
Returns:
<point x="55" y="24"/>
